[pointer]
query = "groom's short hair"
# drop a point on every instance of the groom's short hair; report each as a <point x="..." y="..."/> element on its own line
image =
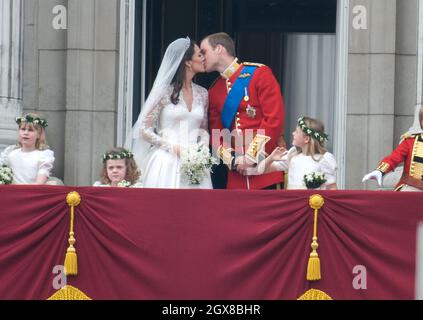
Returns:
<point x="224" y="40"/>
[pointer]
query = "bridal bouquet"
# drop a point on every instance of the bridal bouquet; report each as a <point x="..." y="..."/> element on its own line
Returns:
<point x="196" y="161"/>
<point x="6" y="175"/>
<point x="314" y="180"/>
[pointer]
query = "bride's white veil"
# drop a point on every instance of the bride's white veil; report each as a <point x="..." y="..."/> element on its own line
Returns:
<point x="170" y="63"/>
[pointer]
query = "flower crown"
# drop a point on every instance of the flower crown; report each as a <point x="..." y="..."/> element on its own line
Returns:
<point x="117" y="155"/>
<point x="31" y="119"/>
<point x="320" y="136"/>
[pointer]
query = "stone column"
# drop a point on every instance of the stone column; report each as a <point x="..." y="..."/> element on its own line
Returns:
<point x="10" y="69"/>
<point x="371" y="87"/>
<point x="91" y="87"/>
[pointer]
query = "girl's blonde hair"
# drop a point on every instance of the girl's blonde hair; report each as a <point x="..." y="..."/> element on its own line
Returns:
<point x="41" y="142"/>
<point x="315" y="146"/>
<point x="132" y="173"/>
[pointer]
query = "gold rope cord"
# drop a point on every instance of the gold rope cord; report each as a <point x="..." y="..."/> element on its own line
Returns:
<point x="313" y="268"/>
<point x="71" y="262"/>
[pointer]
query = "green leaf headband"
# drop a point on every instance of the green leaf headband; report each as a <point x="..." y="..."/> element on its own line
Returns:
<point x="320" y="136"/>
<point x="117" y="155"/>
<point x="30" y="119"/>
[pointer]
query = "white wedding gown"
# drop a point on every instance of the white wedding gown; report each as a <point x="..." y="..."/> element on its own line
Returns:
<point x="167" y="125"/>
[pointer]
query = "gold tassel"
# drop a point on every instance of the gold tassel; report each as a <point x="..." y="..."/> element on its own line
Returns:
<point x="313" y="268"/>
<point x="71" y="261"/>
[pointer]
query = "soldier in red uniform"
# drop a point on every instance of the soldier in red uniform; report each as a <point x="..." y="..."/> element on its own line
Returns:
<point x="409" y="151"/>
<point x="247" y="101"/>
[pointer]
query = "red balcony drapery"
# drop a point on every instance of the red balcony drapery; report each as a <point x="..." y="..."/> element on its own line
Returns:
<point x="207" y="244"/>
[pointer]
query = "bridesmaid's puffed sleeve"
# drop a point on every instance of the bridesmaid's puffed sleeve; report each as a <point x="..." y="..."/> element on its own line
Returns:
<point x="4" y="157"/>
<point x="329" y="167"/>
<point x="45" y="164"/>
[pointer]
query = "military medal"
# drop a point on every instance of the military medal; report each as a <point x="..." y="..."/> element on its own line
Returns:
<point x="251" y="112"/>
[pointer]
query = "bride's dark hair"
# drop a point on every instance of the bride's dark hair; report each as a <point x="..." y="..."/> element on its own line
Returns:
<point x="178" y="79"/>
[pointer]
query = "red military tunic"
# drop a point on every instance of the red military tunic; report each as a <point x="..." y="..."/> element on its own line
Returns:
<point x="410" y="151"/>
<point x="264" y="110"/>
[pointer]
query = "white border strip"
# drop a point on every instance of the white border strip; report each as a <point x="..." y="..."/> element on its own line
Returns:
<point x="340" y="130"/>
<point x="419" y="54"/>
<point x="143" y="49"/>
<point x="126" y="70"/>
<point x="419" y="262"/>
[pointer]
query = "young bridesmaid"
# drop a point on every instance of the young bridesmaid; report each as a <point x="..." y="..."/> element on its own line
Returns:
<point x="119" y="169"/>
<point x="308" y="156"/>
<point x="30" y="159"/>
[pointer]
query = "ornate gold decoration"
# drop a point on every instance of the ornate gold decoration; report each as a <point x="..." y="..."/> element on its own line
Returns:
<point x="316" y="201"/>
<point x="314" y="294"/>
<point x="69" y="293"/>
<point x="256" y="147"/>
<point x="225" y="155"/>
<point x="231" y="69"/>
<point x="244" y="75"/>
<point x="73" y="199"/>
<point x="383" y="167"/>
<point x="416" y="167"/>
<point x="253" y="64"/>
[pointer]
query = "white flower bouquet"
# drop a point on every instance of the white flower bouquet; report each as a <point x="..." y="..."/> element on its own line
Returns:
<point x="314" y="180"/>
<point x="6" y="175"/>
<point x="124" y="184"/>
<point x="196" y="161"/>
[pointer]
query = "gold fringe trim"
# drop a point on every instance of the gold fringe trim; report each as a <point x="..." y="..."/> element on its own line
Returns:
<point x="316" y="201"/>
<point x="73" y="199"/>
<point x="69" y="293"/>
<point x="314" y="294"/>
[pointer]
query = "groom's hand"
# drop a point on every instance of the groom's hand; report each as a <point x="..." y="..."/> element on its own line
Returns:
<point x="242" y="164"/>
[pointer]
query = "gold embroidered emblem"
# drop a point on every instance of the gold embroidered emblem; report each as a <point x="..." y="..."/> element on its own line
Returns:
<point x="244" y="75"/>
<point x="416" y="167"/>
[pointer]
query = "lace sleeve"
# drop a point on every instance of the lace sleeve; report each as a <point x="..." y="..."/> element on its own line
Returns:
<point x="204" y="136"/>
<point x="149" y="126"/>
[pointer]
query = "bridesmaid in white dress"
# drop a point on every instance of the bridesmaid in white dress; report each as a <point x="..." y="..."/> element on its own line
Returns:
<point x="119" y="170"/>
<point x="307" y="155"/>
<point x="173" y="117"/>
<point x="31" y="160"/>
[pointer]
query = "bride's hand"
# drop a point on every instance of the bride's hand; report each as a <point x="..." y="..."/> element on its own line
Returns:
<point x="177" y="149"/>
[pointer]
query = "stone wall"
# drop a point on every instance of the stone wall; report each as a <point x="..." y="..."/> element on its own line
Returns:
<point x="70" y="77"/>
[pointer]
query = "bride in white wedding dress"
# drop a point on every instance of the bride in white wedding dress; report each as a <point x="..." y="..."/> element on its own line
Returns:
<point x="173" y="117"/>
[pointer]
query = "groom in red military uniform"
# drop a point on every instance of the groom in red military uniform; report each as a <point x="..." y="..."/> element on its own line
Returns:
<point x="245" y="99"/>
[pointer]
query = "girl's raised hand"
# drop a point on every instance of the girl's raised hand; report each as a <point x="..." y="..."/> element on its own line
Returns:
<point x="278" y="153"/>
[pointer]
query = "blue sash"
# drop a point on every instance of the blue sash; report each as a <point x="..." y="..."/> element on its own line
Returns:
<point x="235" y="95"/>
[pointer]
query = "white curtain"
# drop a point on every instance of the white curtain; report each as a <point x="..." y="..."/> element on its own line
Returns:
<point x="309" y="80"/>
